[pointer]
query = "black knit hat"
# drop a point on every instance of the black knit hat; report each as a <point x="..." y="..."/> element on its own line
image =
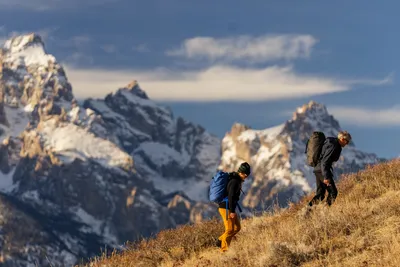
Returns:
<point x="244" y="168"/>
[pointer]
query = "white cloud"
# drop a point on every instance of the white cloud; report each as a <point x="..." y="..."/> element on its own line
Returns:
<point x="367" y="117"/>
<point x="141" y="48"/>
<point x="387" y="80"/>
<point x="212" y="84"/>
<point x="255" y="49"/>
<point x="109" y="48"/>
<point x="78" y="41"/>
<point x="78" y="58"/>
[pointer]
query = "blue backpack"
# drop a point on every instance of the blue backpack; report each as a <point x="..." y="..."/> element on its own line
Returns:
<point x="218" y="187"/>
<point x="218" y="191"/>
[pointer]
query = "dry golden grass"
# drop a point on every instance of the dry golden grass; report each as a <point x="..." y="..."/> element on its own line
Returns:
<point x="360" y="229"/>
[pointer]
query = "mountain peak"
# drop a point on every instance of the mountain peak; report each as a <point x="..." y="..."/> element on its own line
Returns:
<point x="21" y="42"/>
<point x="135" y="89"/>
<point x="27" y="50"/>
<point x="30" y="75"/>
<point x="278" y="159"/>
<point x="311" y="108"/>
<point x="316" y="116"/>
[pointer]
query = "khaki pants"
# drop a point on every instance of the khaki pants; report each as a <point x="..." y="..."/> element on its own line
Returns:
<point x="232" y="227"/>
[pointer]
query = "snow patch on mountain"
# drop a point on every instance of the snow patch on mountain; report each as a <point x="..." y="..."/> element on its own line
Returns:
<point x="151" y="112"/>
<point x="125" y="129"/>
<point x="268" y="134"/>
<point x="93" y="225"/>
<point x="193" y="188"/>
<point x="17" y="119"/>
<point x="277" y="155"/>
<point x="7" y="184"/>
<point x="73" y="142"/>
<point x="26" y="50"/>
<point x="30" y="56"/>
<point x="264" y="154"/>
<point x="162" y="154"/>
<point x="229" y="154"/>
<point x="208" y="151"/>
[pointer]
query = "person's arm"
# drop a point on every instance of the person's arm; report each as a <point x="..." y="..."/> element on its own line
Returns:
<point x="326" y="161"/>
<point x="233" y="187"/>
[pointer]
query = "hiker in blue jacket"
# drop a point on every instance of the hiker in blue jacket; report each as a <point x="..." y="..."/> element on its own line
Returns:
<point x="330" y="153"/>
<point x="232" y="222"/>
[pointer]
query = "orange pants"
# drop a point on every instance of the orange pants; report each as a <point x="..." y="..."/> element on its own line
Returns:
<point x="232" y="227"/>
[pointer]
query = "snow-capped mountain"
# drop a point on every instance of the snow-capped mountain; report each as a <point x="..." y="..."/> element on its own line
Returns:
<point x="78" y="178"/>
<point x="278" y="159"/>
<point x="174" y="153"/>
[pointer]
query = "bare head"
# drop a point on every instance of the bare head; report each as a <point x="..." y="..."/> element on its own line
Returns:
<point x="344" y="138"/>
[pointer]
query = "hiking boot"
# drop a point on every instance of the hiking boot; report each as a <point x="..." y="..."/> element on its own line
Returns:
<point x="218" y="243"/>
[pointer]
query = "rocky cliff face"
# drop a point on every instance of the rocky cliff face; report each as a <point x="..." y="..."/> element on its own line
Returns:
<point x="167" y="150"/>
<point x="277" y="156"/>
<point x="84" y="177"/>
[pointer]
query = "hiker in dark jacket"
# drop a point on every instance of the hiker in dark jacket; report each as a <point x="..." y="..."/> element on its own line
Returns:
<point x="232" y="222"/>
<point x="323" y="171"/>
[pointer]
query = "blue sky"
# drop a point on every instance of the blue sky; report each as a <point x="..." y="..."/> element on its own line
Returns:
<point x="259" y="59"/>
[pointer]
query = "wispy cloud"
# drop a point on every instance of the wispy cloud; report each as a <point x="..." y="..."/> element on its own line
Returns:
<point x="367" y="117"/>
<point x="254" y="49"/>
<point x="78" y="58"/>
<point x="141" y="48"/>
<point x="389" y="79"/>
<point x="212" y="84"/>
<point x="109" y="48"/>
<point x="78" y="42"/>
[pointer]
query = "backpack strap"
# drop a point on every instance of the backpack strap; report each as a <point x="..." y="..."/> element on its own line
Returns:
<point x="305" y="150"/>
<point x="240" y="209"/>
<point x="227" y="206"/>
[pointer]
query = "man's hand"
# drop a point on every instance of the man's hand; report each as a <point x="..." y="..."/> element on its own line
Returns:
<point x="232" y="215"/>
<point x="326" y="181"/>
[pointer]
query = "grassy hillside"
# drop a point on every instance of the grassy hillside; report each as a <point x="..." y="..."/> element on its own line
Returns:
<point x="360" y="229"/>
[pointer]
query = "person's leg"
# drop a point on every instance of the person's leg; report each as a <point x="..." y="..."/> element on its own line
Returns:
<point x="332" y="192"/>
<point x="226" y="237"/>
<point x="236" y="225"/>
<point x="321" y="188"/>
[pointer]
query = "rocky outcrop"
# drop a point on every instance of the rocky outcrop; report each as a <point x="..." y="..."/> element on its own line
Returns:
<point x="172" y="152"/>
<point x="278" y="160"/>
<point x="90" y="176"/>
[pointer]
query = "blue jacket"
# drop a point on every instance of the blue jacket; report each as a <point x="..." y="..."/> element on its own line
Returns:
<point x="330" y="153"/>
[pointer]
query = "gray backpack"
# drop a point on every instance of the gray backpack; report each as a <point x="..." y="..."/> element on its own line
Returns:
<point x="314" y="148"/>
